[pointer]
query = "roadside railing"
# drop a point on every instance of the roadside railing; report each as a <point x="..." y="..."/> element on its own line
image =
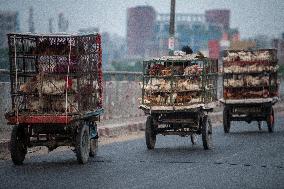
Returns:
<point x="122" y="76"/>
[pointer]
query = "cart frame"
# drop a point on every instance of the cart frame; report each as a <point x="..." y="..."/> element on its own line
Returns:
<point x="77" y="57"/>
<point x="248" y="110"/>
<point x="251" y="109"/>
<point x="182" y="120"/>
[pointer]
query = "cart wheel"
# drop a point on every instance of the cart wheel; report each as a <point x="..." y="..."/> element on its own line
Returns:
<point x="226" y="120"/>
<point x="270" y="121"/>
<point x="18" y="146"/>
<point x="83" y="144"/>
<point x="206" y="132"/>
<point x="193" y="138"/>
<point x="150" y="134"/>
<point x="93" y="147"/>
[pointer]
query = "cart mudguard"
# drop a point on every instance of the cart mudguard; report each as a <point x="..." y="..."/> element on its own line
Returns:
<point x="96" y="113"/>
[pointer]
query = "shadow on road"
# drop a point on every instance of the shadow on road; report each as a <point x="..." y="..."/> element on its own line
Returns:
<point x="255" y="133"/>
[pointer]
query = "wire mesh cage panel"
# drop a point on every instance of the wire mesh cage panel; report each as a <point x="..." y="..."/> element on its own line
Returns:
<point x="179" y="82"/>
<point x="250" y="74"/>
<point x="55" y="74"/>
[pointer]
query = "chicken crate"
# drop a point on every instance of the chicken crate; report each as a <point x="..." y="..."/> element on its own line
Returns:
<point x="251" y="87"/>
<point x="55" y="74"/>
<point x="250" y="74"/>
<point x="56" y="91"/>
<point x="177" y="95"/>
<point x="179" y="81"/>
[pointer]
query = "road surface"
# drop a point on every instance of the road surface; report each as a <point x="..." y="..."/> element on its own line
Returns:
<point x="245" y="158"/>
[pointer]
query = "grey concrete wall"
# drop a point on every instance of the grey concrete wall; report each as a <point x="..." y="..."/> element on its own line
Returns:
<point x="5" y="100"/>
<point x="121" y="99"/>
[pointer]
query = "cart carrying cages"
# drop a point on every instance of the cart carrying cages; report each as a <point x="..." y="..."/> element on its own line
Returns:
<point x="250" y="87"/>
<point x="177" y="94"/>
<point x="56" y="90"/>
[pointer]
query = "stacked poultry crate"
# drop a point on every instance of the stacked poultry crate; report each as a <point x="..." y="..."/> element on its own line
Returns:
<point x="179" y="81"/>
<point x="250" y="74"/>
<point x="55" y="74"/>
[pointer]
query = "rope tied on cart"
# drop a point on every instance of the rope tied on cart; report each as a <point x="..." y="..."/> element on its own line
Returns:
<point x="16" y="78"/>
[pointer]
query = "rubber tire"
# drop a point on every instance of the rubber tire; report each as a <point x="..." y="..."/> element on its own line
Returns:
<point x="271" y="121"/>
<point x="83" y="144"/>
<point x="206" y="132"/>
<point x="226" y="120"/>
<point x="150" y="135"/>
<point x="93" y="147"/>
<point x="193" y="139"/>
<point x="18" y="145"/>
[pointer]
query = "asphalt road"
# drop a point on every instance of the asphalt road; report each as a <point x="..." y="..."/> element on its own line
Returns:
<point x="245" y="158"/>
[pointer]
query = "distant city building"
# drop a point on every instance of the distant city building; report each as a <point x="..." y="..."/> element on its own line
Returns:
<point x="219" y="17"/>
<point x="50" y="25"/>
<point x="63" y="23"/>
<point x="279" y="45"/>
<point x="191" y="29"/>
<point x="31" y="20"/>
<point x="89" y="30"/>
<point x="113" y="47"/>
<point x="262" y="41"/>
<point x="148" y="32"/>
<point x="140" y="30"/>
<point x="9" y="22"/>
<point x="243" y="45"/>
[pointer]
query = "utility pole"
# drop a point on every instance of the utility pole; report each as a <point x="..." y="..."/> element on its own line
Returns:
<point x="172" y="28"/>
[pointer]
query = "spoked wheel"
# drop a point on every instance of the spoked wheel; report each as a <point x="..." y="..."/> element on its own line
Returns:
<point x="206" y="131"/>
<point x="271" y="121"/>
<point x="193" y="138"/>
<point x="83" y="144"/>
<point x="150" y="134"/>
<point x="93" y="147"/>
<point x="18" y="146"/>
<point x="226" y="120"/>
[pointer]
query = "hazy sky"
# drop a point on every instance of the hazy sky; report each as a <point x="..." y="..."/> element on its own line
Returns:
<point x="252" y="17"/>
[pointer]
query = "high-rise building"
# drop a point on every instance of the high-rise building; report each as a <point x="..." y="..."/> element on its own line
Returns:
<point x="140" y="30"/>
<point x="63" y="23"/>
<point x="50" y="25"/>
<point x="113" y="46"/>
<point x="191" y="29"/>
<point x="218" y="16"/>
<point x="8" y="23"/>
<point x="31" y="20"/>
<point x="279" y="45"/>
